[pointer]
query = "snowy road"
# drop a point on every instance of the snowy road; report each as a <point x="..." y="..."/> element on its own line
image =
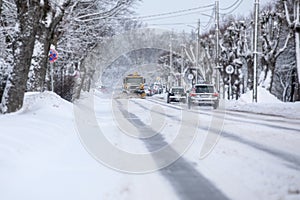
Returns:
<point x="273" y="135"/>
<point x="257" y="155"/>
<point x="185" y="179"/>
<point x="43" y="157"/>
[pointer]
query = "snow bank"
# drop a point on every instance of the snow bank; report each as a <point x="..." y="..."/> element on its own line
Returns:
<point x="44" y="118"/>
<point x="46" y="101"/>
<point x="263" y="96"/>
<point x="266" y="104"/>
<point x="41" y="157"/>
<point x="32" y="142"/>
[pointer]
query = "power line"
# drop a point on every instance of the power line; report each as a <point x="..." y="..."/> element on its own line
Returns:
<point x="174" y="12"/>
<point x="205" y="27"/>
<point x="229" y="7"/>
<point x="200" y="12"/>
<point x="230" y="12"/>
<point x="237" y="3"/>
<point x="174" y="16"/>
<point x="185" y="12"/>
<point x="168" y="24"/>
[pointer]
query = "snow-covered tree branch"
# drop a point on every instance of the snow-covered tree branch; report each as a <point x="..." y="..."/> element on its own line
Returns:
<point x="28" y="14"/>
<point x="272" y="22"/>
<point x="294" y="27"/>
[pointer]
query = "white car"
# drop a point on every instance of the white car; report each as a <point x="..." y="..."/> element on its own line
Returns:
<point x="204" y="94"/>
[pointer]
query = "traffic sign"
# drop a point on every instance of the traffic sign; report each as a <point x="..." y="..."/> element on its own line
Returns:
<point x="229" y="69"/>
<point x="53" y="55"/>
<point x="190" y="76"/>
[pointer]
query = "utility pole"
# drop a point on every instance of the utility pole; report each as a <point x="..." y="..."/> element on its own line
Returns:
<point x="197" y="50"/>
<point x="217" y="24"/>
<point x="255" y="52"/>
<point x="297" y="36"/>
<point x="171" y="62"/>
<point x="182" y="63"/>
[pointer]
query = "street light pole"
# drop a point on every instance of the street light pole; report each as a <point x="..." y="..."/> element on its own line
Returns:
<point x="217" y="44"/>
<point x="255" y="59"/>
<point x="171" y="63"/>
<point x="197" y="50"/>
<point x="182" y="63"/>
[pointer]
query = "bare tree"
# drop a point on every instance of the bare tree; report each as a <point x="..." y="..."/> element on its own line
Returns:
<point x="272" y="23"/>
<point x="0" y="6"/>
<point x="7" y="23"/>
<point x="285" y="76"/>
<point x="234" y="55"/>
<point x="207" y="55"/>
<point x="28" y="14"/>
<point x="51" y="16"/>
<point x="294" y="25"/>
<point x="84" y="27"/>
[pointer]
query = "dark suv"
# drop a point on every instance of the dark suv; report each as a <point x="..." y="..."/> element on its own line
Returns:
<point x="176" y="94"/>
<point x="203" y="94"/>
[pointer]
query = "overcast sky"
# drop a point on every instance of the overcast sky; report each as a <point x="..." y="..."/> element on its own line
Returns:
<point x="189" y="19"/>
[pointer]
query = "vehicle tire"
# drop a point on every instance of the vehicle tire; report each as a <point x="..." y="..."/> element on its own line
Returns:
<point x="143" y="95"/>
<point x="189" y="103"/>
<point x="216" y="105"/>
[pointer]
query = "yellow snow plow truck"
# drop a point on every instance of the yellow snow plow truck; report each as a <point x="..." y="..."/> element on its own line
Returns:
<point x="133" y="85"/>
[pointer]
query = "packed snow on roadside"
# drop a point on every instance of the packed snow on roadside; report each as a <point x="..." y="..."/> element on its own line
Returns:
<point x="266" y="104"/>
<point x="41" y="157"/>
<point x="246" y="172"/>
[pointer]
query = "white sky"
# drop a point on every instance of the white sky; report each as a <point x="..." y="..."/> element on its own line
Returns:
<point x="152" y="7"/>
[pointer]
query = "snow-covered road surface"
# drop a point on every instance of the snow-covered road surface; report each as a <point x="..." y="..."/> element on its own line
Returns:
<point x="43" y="157"/>
<point x="257" y="155"/>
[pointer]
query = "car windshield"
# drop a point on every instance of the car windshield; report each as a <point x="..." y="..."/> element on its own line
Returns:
<point x="177" y="90"/>
<point x="204" y="89"/>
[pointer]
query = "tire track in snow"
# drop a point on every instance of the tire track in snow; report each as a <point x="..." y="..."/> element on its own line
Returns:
<point x="186" y="180"/>
<point x="236" y="117"/>
<point x="292" y="161"/>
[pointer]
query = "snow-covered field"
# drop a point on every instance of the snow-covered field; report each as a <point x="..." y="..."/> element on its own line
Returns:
<point x="41" y="156"/>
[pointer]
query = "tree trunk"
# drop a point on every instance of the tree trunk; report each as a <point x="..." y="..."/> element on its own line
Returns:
<point x="293" y="85"/>
<point x="297" y="46"/>
<point x="250" y="73"/>
<point x="0" y="7"/>
<point x="38" y="71"/>
<point x="79" y="86"/>
<point x="272" y="70"/>
<point x="45" y="37"/>
<point x="27" y="19"/>
<point x="285" y="93"/>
